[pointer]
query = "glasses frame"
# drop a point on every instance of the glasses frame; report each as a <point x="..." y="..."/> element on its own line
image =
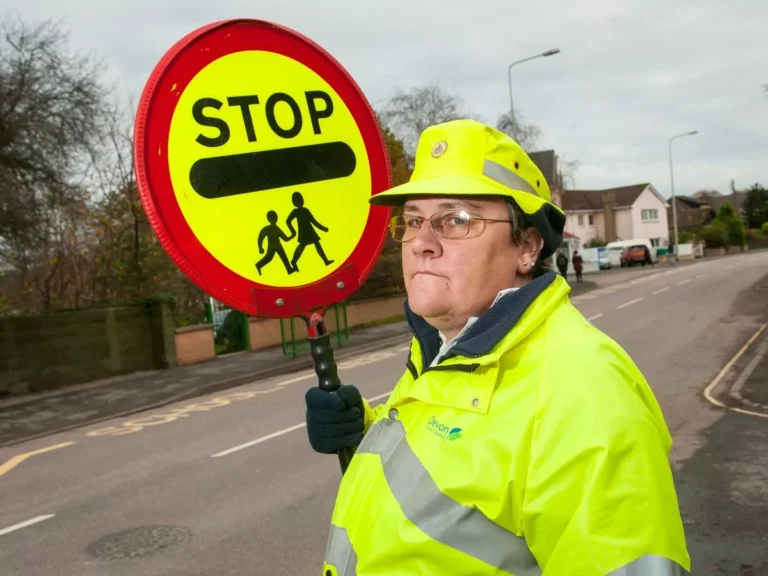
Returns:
<point x="434" y="218"/>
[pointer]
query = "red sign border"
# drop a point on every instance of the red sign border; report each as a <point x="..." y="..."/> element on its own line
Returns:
<point x="158" y="102"/>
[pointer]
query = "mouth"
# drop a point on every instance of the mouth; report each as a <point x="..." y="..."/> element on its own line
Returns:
<point x="425" y="273"/>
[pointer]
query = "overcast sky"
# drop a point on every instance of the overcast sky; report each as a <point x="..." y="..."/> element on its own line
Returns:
<point x="631" y="73"/>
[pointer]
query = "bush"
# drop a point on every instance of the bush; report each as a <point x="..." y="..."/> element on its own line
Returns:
<point x="686" y="236"/>
<point x="716" y="234"/>
<point x="386" y="278"/>
<point x="736" y="234"/>
<point x="727" y="215"/>
<point x="764" y="230"/>
<point x="596" y="242"/>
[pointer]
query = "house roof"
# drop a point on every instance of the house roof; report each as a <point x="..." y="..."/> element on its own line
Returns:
<point x="691" y="202"/>
<point x="736" y="199"/>
<point x="547" y="163"/>
<point x="624" y="197"/>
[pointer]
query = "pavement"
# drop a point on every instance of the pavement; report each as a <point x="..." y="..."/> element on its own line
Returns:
<point x="33" y="416"/>
<point x="227" y="484"/>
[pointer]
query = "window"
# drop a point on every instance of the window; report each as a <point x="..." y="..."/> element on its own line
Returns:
<point x="581" y="220"/>
<point x="650" y="215"/>
<point x="591" y="220"/>
<point x="655" y="242"/>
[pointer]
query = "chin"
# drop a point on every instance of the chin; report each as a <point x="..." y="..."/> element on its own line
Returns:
<point x="428" y="299"/>
<point x="427" y="309"/>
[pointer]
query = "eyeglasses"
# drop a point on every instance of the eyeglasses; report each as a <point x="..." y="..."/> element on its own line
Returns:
<point x="453" y="224"/>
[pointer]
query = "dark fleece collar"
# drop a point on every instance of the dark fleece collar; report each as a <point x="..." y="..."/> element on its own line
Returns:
<point x="487" y="331"/>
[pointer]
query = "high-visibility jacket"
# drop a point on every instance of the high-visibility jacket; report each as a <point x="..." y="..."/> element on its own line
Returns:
<point x="535" y="446"/>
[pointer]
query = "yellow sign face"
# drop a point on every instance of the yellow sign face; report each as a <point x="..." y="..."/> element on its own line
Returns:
<point x="269" y="168"/>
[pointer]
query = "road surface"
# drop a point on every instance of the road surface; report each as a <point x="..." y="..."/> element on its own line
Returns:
<point x="227" y="484"/>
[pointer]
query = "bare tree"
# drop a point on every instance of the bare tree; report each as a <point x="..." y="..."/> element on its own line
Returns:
<point x="568" y="169"/>
<point x="52" y="108"/>
<point x="527" y="135"/>
<point x="408" y="114"/>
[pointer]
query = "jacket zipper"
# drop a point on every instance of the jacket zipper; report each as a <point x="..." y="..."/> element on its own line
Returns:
<point x="411" y="367"/>
<point x="467" y="368"/>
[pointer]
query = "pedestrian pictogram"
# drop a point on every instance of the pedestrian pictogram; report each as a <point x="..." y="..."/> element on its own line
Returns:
<point x="256" y="156"/>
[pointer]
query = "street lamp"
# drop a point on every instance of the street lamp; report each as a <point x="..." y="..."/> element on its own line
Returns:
<point x="672" y="183"/>
<point x="551" y="52"/>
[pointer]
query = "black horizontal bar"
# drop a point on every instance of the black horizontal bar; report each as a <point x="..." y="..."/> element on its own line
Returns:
<point x="223" y="176"/>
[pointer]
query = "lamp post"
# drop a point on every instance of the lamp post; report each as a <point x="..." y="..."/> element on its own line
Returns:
<point x="551" y="52"/>
<point x="672" y="183"/>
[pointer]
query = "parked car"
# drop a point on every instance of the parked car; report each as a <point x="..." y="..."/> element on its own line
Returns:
<point x="634" y="255"/>
<point x="617" y="248"/>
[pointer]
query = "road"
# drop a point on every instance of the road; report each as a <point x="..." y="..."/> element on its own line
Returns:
<point x="227" y="484"/>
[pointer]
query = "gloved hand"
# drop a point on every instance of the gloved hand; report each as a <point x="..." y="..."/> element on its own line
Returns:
<point x="334" y="420"/>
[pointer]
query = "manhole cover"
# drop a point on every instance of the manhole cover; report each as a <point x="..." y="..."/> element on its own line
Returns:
<point x="138" y="542"/>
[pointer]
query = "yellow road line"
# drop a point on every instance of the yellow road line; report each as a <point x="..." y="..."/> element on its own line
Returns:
<point x="724" y="371"/>
<point x="19" y="458"/>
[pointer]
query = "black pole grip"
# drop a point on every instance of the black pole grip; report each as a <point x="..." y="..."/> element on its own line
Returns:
<point x="328" y="379"/>
<point x="325" y="366"/>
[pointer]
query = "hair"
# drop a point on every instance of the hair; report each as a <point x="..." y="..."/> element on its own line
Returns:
<point x="520" y="227"/>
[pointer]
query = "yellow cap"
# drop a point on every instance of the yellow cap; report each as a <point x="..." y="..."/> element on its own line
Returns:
<point x="467" y="158"/>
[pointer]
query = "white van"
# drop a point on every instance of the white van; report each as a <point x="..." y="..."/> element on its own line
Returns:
<point x="617" y="248"/>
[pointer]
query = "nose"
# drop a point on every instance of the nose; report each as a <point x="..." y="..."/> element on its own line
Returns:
<point x="425" y="243"/>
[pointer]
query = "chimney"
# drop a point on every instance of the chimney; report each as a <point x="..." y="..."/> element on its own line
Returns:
<point x="609" y="215"/>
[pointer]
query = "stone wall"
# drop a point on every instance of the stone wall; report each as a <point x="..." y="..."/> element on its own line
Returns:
<point x="47" y="352"/>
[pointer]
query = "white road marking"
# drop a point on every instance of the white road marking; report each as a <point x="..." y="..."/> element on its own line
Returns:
<point x="635" y="301"/>
<point x="662" y="290"/>
<point x="701" y="275"/>
<point x="24" y="524"/>
<point x="279" y="433"/>
<point x="595" y="317"/>
<point x="297" y="379"/>
<point x="683" y="282"/>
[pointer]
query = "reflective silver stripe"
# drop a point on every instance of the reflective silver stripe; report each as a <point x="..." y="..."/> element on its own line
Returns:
<point x="339" y="553"/>
<point x="651" y="565"/>
<point x="437" y="515"/>
<point x="506" y="177"/>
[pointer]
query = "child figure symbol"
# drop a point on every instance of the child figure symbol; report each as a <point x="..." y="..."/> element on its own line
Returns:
<point x="275" y="236"/>
<point x="307" y="234"/>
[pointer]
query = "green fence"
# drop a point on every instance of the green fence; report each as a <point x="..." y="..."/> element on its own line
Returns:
<point x="293" y="331"/>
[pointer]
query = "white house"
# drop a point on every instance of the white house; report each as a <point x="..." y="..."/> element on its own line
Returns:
<point x="625" y="213"/>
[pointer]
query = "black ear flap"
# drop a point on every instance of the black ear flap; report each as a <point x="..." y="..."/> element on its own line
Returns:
<point x="550" y="222"/>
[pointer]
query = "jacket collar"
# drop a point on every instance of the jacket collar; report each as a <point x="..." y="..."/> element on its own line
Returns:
<point x="493" y="326"/>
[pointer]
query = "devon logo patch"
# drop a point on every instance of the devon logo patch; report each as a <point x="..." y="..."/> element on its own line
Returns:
<point x="434" y="426"/>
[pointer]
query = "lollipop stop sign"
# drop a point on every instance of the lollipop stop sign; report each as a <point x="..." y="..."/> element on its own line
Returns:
<point x="256" y="154"/>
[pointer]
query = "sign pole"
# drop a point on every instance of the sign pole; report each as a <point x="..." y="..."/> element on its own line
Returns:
<point x="325" y="368"/>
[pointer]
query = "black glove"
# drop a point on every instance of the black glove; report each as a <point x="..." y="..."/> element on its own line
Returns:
<point x="334" y="420"/>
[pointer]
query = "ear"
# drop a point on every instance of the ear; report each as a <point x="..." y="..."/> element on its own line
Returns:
<point x="530" y="248"/>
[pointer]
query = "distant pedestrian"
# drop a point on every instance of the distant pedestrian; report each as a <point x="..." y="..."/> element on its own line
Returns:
<point x="648" y="259"/>
<point x="562" y="264"/>
<point x="578" y="265"/>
